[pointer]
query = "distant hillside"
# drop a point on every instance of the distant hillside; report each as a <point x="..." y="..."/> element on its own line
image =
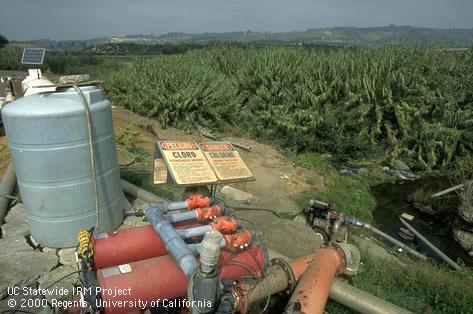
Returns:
<point x="340" y="36"/>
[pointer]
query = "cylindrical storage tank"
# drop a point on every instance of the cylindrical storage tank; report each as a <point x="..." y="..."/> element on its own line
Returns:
<point x="49" y="142"/>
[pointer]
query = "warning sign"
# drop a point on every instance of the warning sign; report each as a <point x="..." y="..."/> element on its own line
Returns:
<point x="160" y="171"/>
<point x="226" y="162"/>
<point x="186" y="163"/>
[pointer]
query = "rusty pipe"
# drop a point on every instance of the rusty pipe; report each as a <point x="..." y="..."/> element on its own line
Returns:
<point x="345" y="294"/>
<point x="312" y="291"/>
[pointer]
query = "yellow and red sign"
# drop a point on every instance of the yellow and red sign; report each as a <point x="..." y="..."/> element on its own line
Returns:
<point x="186" y="163"/>
<point x="226" y="162"/>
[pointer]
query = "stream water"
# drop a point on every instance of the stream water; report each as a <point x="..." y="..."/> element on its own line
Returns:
<point x="393" y="200"/>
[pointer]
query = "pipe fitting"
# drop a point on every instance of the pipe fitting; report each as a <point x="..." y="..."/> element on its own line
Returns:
<point x="210" y="250"/>
<point x="335" y="230"/>
<point x="176" y="247"/>
<point x="352" y="257"/>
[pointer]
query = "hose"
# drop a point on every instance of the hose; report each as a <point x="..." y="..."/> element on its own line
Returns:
<point x="91" y="153"/>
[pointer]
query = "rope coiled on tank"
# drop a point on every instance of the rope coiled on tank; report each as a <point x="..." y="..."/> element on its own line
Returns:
<point x="91" y="152"/>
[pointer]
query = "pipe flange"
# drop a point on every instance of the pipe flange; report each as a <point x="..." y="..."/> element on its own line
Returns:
<point x="291" y="278"/>
<point x="352" y="257"/>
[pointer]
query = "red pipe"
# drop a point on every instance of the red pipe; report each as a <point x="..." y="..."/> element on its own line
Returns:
<point x="139" y="283"/>
<point x="129" y="245"/>
<point x="276" y="281"/>
<point x="299" y="265"/>
<point x="313" y="288"/>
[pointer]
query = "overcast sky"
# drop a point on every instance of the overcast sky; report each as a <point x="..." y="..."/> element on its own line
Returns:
<point x="83" y="19"/>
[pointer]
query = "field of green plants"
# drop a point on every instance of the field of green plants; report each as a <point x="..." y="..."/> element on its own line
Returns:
<point x="394" y="102"/>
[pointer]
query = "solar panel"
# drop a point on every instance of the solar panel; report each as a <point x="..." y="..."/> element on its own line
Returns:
<point x="33" y="56"/>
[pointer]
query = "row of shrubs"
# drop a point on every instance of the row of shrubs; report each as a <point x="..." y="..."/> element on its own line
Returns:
<point x="394" y="102"/>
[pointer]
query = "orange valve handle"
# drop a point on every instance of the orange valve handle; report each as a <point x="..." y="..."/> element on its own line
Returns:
<point x="238" y="241"/>
<point x="197" y="200"/>
<point x="208" y="213"/>
<point x="225" y="225"/>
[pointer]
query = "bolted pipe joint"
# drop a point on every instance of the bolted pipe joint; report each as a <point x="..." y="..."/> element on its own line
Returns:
<point x="352" y="257"/>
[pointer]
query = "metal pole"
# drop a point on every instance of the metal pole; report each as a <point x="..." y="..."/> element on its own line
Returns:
<point x="6" y="188"/>
<point x="361" y="301"/>
<point x="394" y="241"/>
<point x="139" y="193"/>
<point x="432" y="247"/>
<point x="450" y="189"/>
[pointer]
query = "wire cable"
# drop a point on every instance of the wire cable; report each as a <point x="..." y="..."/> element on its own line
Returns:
<point x="91" y="152"/>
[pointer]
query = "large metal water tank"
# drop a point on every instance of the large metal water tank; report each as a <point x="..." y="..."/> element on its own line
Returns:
<point x="49" y="143"/>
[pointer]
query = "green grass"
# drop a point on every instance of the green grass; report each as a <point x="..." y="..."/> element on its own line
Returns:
<point x="313" y="160"/>
<point x="349" y="195"/>
<point x="419" y="287"/>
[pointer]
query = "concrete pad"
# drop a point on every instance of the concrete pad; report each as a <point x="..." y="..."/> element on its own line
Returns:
<point x="62" y="289"/>
<point x="134" y="221"/>
<point x="15" y="225"/>
<point x="237" y="195"/>
<point x="366" y="245"/>
<point x="19" y="261"/>
<point x="67" y="256"/>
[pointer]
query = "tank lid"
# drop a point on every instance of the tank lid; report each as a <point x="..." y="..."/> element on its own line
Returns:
<point x="62" y="102"/>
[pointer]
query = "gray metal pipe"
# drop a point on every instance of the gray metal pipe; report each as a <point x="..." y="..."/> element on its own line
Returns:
<point x="195" y="247"/>
<point x="335" y="230"/>
<point x="148" y="197"/>
<point x="177" y="205"/>
<point x="176" y="247"/>
<point x="139" y="193"/>
<point x="361" y="301"/>
<point x="189" y="215"/>
<point x="6" y="188"/>
<point x="193" y="232"/>
<point x="394" y="241"/>
<point x="432" y="247"/>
